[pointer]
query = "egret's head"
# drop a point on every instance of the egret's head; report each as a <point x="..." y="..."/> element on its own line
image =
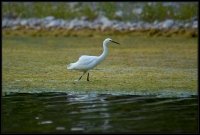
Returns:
<point x="108" y="40"/>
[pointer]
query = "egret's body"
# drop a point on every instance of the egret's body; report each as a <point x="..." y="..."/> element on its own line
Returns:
<point x="86" y="63"/>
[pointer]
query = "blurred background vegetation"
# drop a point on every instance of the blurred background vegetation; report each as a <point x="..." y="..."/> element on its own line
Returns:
<point x="126" y="11"/>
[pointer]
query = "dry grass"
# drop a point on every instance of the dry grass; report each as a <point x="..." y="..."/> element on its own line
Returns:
<point x="86" y="32"/>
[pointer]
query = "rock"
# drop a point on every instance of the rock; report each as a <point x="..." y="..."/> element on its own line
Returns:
<point x="73" y="23"/>
<point x="128" y="24"/>
<point x="195" y="25"/>
<point x="187" y="25"/>
<point x="66" y="24"/>
<point x="15" y="22"/>
<point x="34" y="22"/>
<point x="101" y="22"/>
<point x="54" y="23"/>
<point x="155" y="25"/>
<point x="23" y="22"/>
<point x="117" y="26"/>
<point x="168" y="24"/>
<point x="9" y="23"/>
<point x="4" y="23"/>
<point x="146" y="25"/>
<point x="140" y="24"/>
<point x="49" y="18"/>
<point x="159" y="25"/>
<point x="104" y="21"/>
<point x="134" y="24"/>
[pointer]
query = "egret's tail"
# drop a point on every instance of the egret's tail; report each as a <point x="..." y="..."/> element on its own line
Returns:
<point x="70" y="66"/>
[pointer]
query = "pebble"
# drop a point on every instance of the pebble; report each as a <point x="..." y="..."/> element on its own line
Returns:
<point x="101" y="22"/>
<point x="168" y="24"/>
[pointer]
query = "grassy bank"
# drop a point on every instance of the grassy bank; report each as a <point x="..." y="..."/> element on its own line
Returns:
<point x="140" y="64"/>
<point x="86" y="32"/>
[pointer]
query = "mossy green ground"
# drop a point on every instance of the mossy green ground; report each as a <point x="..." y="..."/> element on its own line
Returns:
<point x="141" y="64"/>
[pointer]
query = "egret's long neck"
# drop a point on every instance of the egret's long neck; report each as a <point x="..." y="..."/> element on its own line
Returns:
<point x="105" y="52"/>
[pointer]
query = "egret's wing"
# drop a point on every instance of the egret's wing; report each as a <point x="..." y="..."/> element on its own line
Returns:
<point x="86" y="60"/>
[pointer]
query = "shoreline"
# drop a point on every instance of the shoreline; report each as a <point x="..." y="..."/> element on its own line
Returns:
<point x="86" y="32"/>
<point x="101" y="23"/>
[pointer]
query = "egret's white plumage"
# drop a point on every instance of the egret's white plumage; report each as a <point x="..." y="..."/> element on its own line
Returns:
<point x="85" y="62"/>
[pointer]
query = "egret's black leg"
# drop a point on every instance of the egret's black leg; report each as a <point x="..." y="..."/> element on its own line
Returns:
<point x="88" y="76"/>
<point x="82" y="76"/>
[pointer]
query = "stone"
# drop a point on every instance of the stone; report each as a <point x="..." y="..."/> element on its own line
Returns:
<point x="195" y="24"/>
<point x="54" y="23"/>
<point x="23" y="22"/>
<point x="49" y="18"/>
<point x="168" y="24"/>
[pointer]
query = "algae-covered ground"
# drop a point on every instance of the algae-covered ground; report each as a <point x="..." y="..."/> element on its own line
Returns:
<point x="140" y="65"/>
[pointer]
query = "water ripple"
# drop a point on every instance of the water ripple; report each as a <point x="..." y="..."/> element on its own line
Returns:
<point x="98" y="113"/>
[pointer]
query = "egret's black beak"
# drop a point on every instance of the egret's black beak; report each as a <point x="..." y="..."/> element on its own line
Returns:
<point x="115" y="42"/>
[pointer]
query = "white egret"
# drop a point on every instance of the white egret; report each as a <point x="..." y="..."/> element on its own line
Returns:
<point x="86" y="63"/>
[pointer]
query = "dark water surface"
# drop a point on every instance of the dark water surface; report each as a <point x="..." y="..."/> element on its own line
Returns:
<point x="93" y="113"/>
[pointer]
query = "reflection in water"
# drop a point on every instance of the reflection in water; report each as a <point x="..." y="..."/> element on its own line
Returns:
<point x="93" y="104"/>
<point x="94" y="113"/>
<point x="45" y="122"/>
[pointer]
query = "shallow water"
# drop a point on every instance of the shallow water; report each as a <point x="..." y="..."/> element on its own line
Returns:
<point x="98" y="113"/>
